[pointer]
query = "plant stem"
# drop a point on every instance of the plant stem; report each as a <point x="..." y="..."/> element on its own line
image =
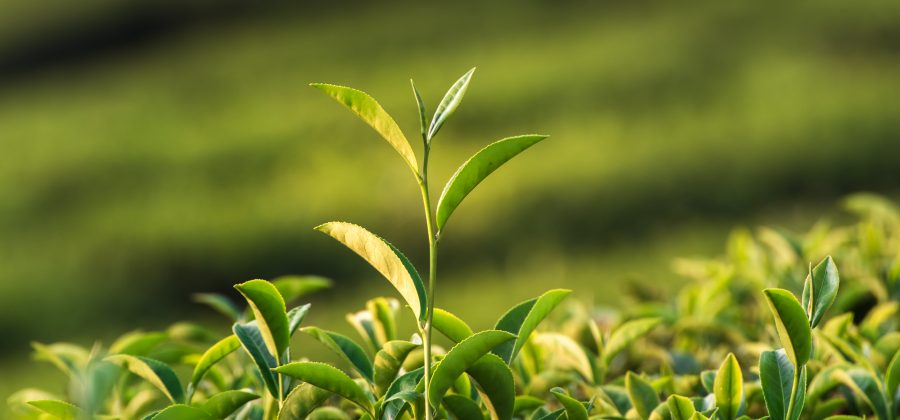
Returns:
<point x="432" y="278"/>
<point x="790" y="410"/>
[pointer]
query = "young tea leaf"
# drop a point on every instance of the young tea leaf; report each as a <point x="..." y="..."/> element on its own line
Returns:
<point x="385" y="258"/>
<point x="58" y="409"/>
<point x="388" y="362"/>
<point x="450" y="325"/>
<point x="212" y="356"/>
<point x="791" y="324"/>
<point x="254" y="344"/>
<point x="153" y="371"/>
<point x="295" y="287"/>
<point x="644" y="398"/>
<point x="574" y="409"/>
<point x="423" y="120"/>
<point x="680" y="408"/>
<point x="523" y="318"/>
<point x="225" y="403"/>
<point x="462" y="408"/>
<point x="220" y="303"/>
<point x="346" y="348"/>
<point x="183" y="412"/>
<point x="729" y="388"/>
<point x="476" y="169"/>
<point x="626" y="334"/>
<point x="820" y="290"/>
<point x="892" y="376"/>
<point x="461" y="357"/>
<point x="495" y="385"/>
<point x="270" y="312"/>
<point x="370" y="111"/>
<point x="449" y="104"/>
<point x="330" y="379"/>
<point x="301" y="401"/>
<point x="776" y="374"/>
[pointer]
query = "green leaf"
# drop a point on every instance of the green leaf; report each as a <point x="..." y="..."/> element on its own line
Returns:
<point x="729" y="388"/>
<point x="476" y="169"/>
<point x="449" y="104"/>
<point x="57" y="408"/>
<point x="563" y="353"/>
<point x="137" y="343"/>
<point x="680" y="408"/>
<point x="330" y="379"/>
<point x="225" y="403"/>
<point x="68" y="358"/>
<point x="362" y="322"/>
<point x="212" y="356"/>
<point x="526" y="403"/>
<point x="270" y="313"/>
<point x="892" y="376"/>
<point x="626" y="334"/>
<point x="401" y="393"/>
<point x="574" y="409"/>
<point x="388" y="362"/>
<point x="791" y="324"/>
<point x="157" y="373"/>
<point x="346" y="348"/>
<point x="866" y="386"/>
<point x="183" y="412"/>
<point x="301" y="401"/>
<point x="462" y="407"/>
<point x="450" y="325"/>
<point x="295" y="287"/>
<point x="495" y="384"/>
<point x="643" y="397"/>
<point x="295" y="317"/>
<point x="423" y="120"/>
<point x="461" y="357"/>
<point x="776" y="375"/>
<point x="251" y="339"/>
<point x="820" y="290"/>
<point x="383" y="318"/>
<point x="370" y="111"/>
<point x="220" y="303"/>
<point x="385" y="258"/>
<point x="523" y="318"/>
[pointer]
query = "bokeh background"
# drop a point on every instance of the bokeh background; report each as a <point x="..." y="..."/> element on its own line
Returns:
<point x="153" y="149"/>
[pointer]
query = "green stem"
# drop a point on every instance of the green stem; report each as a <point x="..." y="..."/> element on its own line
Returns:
<point x="794" y="387"/>
<point x="432" y="279"/>
<point x="280" y="379"/>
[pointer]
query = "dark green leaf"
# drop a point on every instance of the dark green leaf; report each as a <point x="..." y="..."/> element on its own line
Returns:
<point x="251" y="339"/>
<point x="462" y="408"/>
<point x="866" y="386"/>
<point x="495" y="384"/>
<point x="385" y="258"/>
<point x="295" y="318"/>
<point x="155" y="372"/>
<point x="346" y="348"/>
<point x="476" y="169"/>
<point x="892" y="376"/>
<point x="820" y="290"/>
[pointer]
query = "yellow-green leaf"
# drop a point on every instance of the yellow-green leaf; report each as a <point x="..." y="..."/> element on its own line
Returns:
<point x="792" y="325"/>
<point x="270" y="312"/>
<point x="461" y="357"/>
<point x="330" y="379"/>
<point x="155" y="372"/>
<point x="212" y="356"/>
<point x="729" y="388"/>
<point x="449" y="103"/>
<point x="450" y="325"/>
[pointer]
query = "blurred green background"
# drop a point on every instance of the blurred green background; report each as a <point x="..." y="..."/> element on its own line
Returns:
<point x="150" y="150"/>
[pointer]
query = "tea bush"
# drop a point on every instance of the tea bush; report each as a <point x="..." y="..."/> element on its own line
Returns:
<point x="758" y="333"/>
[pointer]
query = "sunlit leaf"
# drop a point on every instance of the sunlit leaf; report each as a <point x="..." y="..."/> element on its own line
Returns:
<point x="295" y="287"/>
<point x="626" y="334"/>
<point x="212" y="356"/>
<point x="155" y="372"/>
<point x="574" y="409"/>
<point x="450" y="325"/>
<point x="225" y="403"/>
<point x="330" y="379"/>
<point x="370" y="111"/>
<point x="644" y="398"/>
<point x="680" y="408"/>
<point x="57" y="408"/>
<point x="561" y="352"/>
<point x="867" y="387"/>
<point x="388" y="362"/>
<point x="476" y="169"/>
<point x="183" y="412"/>
<point x="495" y="384"/>
<point x="385" y="258"/>
<point x="729" y="388"/>
<point x="820" y="290"/>
<point x="137" y="343"/>
<point x="301" y="401"/>
<point x="423" y="119"/>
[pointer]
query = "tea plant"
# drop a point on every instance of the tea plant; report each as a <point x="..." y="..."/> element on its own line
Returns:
<point x="736" y="342"/>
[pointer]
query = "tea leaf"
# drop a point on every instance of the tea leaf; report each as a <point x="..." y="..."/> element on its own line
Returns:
<point x="252" y="341"/>
<point x="225" y="403"/>
<point x="643" y="397"/>
<point x="183" y="412"/>
<point x="295" y="317"/>
<point x="462" y="407"/>
<point x="137" y="343"/>
<point x="574" y="409"/>
<point x="220" y="303"/>
<point x="495" y="385"/>
<point x="330" y="379"/>
<point x="385" y="258"/>
<point x="626" y="334"/>
<point x="295" y="287"/>
<point x="346" y="348"/>
<point x="680" y="408"/>
<point x="57" y="408"/>
<point x="270" y="313"/>
<point x="526" y="403"/>
<point x="563" y="353"/>
<point x="776" y="375"/>
<point x="892" y="376"/>
<point x="370" y="111"/>
<point x="791" y="324"/>
<point x="820" y="290"/>
<point x="450" y="325"/>
<point x="476" y="169"/>
<point x="449" y="103"/>
<point x="523" y="318"/>
<point x="423" y="120"/>
<point x="461" y="357"/>
<point x="388" y="362"/>
<point x="729" y="388"/>
<point x="212" y="356"/>
<point x="866" y="386"/>
<point x="157" y="373"/>
<point x="301" y="401"/>
<point x="401" y="393"/>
